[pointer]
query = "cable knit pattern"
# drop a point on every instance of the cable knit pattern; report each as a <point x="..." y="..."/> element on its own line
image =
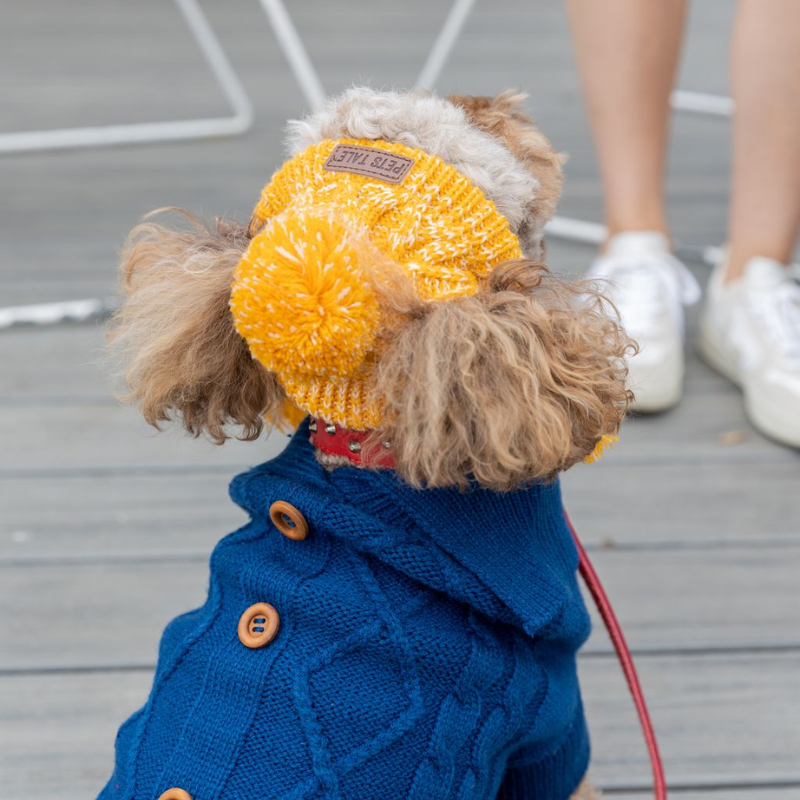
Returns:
<point x="426" y="650"/>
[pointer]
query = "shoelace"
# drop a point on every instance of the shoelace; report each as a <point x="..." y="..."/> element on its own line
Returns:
<point x="779" y="313"/>
<point x="643" y="287"/>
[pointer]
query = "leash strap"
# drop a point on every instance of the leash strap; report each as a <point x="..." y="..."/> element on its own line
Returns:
<point x="335" y="440"/>
<point x="595" y="587"/>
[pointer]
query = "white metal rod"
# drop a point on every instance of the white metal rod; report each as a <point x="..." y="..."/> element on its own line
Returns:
<point x="218" y="62"/>
<point x="700" y="103"/>
<point x="51" y="313"/>
<point x="105" y="135"/>
<point x="295" y="52"/>
<point x="444" y="43"/>
<point x="576" y="230"/>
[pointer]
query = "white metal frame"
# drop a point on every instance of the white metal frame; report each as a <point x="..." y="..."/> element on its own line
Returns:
<point x="52" y="313"/>
<point x="140" y="132"/>
<point x="312" y="88"/>
<point x="306" y="74"/>
<point x="445" y="41"/>
<point x="292" y="46"/>
<point x="701" y="103"/>
<point x="135" y="133"/>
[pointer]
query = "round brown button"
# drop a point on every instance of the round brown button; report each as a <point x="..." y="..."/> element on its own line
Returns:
<point x="288" y="520"/>
<point x="257" y="627"/>
<point x="175" y="794"/>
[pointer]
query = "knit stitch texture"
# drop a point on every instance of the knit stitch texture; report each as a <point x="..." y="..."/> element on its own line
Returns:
<point x="301" y="297"/>
<point x="426" y="650"/>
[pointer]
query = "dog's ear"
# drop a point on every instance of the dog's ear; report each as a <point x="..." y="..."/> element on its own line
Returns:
<point x="173" y="335"/>
<point x="513" y="384"/>
<point x="501" y="117"/>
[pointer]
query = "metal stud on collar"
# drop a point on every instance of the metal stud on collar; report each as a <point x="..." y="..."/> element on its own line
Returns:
<point x="354" y="446"/>
<point x="330" y="428"/>
<point x="312" y="426"/>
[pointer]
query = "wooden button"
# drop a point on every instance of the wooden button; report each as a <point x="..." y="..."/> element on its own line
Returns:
<point x="257" y="627"/>
<point x="288" y="520"/>
<point x="175" y="794"/>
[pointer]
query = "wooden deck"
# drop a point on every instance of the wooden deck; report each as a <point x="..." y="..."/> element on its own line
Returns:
<point x="106" y="527"/>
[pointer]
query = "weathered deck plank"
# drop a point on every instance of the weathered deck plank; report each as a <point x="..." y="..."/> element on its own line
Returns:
<point x="714" y="793"/>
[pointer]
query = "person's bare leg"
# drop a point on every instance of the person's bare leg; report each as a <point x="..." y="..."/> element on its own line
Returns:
<point x="765" y="73"/>
<point x="627" y="55"/>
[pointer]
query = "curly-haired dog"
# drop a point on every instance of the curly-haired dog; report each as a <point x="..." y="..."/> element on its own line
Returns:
<point x="400" y="617"/>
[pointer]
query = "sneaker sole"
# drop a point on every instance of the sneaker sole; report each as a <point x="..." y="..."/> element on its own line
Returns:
<point x="772" y="421"/>
<point x="657" y="391"/>
<point x="649" y="402"/>
<point x="717" y="359"/>
<point x="765" y="417"/>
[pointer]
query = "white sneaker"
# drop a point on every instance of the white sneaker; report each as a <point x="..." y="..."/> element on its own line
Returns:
<point x="750" y="332"/>
<point x="649" y="287"/>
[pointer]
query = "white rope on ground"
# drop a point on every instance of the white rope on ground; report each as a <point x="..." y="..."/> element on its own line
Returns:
<point x="141" y="132"/>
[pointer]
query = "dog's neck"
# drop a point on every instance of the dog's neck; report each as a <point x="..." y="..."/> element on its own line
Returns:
<point x="338" y="446"/>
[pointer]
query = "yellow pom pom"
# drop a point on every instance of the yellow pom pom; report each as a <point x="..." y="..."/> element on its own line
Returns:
<point x="300" y="299"/>
<point x="600" y="448"/>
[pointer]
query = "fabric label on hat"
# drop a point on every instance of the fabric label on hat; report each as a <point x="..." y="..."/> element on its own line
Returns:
<point x="369" y="161"/>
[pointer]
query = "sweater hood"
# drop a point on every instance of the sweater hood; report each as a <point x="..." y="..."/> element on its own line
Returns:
<point x="514" y="544"/>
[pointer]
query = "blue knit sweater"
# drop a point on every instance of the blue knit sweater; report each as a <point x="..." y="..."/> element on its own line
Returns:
<point x="426" y="649"/>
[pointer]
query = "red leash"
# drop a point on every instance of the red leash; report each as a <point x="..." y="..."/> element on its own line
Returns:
<point x="335" y="440"/>
<point x="595" y="587"/>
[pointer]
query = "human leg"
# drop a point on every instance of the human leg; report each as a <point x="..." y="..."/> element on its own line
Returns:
<point x="627" y="55"/>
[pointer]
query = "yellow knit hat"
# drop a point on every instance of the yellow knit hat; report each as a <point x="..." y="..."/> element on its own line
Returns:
<point x="302" y="297"/>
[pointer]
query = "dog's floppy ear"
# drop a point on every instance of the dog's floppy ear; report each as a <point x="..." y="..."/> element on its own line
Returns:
<point x="501" y="117"/>
<point x="513" y="384"/>
<point x="173" y="335"/>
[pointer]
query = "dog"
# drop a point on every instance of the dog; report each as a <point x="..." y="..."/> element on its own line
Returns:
<point x="400" y="617"/>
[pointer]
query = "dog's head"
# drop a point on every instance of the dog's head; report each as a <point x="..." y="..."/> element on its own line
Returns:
<point x="421" y="311"/>
<point x="502" y="117"/>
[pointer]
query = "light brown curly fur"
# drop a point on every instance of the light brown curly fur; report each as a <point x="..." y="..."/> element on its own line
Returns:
<point x="501" y="117"/>
<point x="173" y="335"/>
<point x="513" y="384"/>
